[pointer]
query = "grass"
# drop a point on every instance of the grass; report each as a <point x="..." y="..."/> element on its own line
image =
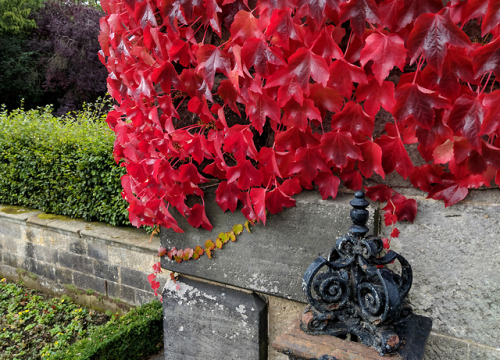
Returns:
<point x="35" y="326"/>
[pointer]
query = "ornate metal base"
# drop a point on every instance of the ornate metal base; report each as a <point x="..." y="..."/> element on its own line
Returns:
<point x="353" y="292"/>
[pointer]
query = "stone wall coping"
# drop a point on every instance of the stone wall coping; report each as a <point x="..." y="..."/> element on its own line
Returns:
<point x="128" y="237"/>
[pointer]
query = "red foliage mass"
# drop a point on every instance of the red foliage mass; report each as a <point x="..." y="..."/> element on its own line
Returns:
<point x="270" y="97"/>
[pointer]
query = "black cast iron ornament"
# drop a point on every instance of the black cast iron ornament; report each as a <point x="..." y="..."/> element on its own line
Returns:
<point x="352" y="292"/>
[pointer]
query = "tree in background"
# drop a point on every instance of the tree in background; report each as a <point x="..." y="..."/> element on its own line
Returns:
<point x="52" y="62"/>
<point x="15" y="16"/>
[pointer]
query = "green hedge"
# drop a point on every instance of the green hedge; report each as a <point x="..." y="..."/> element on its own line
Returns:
<point x="62" y="165"/>
<point x="134" y="336"/>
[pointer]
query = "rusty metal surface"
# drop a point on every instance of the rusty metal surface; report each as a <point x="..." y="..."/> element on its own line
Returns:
<point x="299" y="345"/>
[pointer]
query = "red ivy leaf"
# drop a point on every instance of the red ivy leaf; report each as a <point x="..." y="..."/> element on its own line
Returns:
<point x="198" y="217"/>
<point x="487" y="58"/>
<point x="419" y="102"/>
<point x="239" y="141"/>
<point x="354" y="120"/>
<point x="245" y="174"/>
<point x="342" y="76"/>
<point x="395" y="233"/>
<point x="257" y="53"/>
<point x="226" y="196"/>
<point x="386" y="51"/>
<point x="276" y="199"/>
<point x="308" y="163"/>
<point x="491" y="122"/>
<point x="431" y="34"/>
<point x="425" y="176"/>
<point x="303" y="65"/>
<point x="466" y="118"/>
<point x="261" y="107"/>
<point x="328" y="184"/>
<point x="358" y="12"/>
<point x="405" y="209"/>
<point x="325" y="98"/>
<point x="338" y="146"/>
<point x="372" y="159"/>
<point x="283" y="28"/>
<point x="296" y="115"/>
<point x="244" y="27"/>
<point x="492" y="17"/>
<point x="376" y="96"/>
<point x="450" y="191"/>
<point x="380" y="193"/>
<point x="161" y="251"/>
<point x="394" y="156"/>
<point x="211" y="60"/>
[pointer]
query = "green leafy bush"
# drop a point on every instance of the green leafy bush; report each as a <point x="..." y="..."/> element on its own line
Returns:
<point x="137" y="334"/>
<point x="61" y="165"/>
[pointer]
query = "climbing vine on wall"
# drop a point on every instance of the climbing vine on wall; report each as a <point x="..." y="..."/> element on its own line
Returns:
<point x="270" y="97"/>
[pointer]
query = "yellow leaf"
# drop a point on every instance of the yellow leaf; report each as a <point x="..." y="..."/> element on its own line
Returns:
<point x="198" y="250"/>
<point x="238" y="229"/>
<point x="232" y="236"/>
<point x="247" y="226"/>
<point x="218" y="243"/>
<point x="209" y="244"/>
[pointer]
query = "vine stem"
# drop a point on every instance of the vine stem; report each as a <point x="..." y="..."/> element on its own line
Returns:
<point x="420" y="62"/>
<point x="348" y="44"/>
<point x="485" y="84"/>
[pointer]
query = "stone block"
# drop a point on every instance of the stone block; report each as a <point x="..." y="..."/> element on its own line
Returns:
<point x="134" y="278"/>
<point x="137" y="260"/>
<point x="105" y="271"/>
<point x="455" y="255"/>
<point x="76" y="262"/>
<point x="483" y="353"/>
<point x="444" y="347"/>
<point x="85" y="281"/>
<point x="144" y="297"/>
<point x="63" y="276"/>
<point x="282" y="313"/>
<point x="97" y="250"/>
<point x="10" y="259"/>
<point x="9" y="230"/>
<point x="45" y="253"/>
<point x="202" y="319"/>
<point x="273" y="258"/>
<point x="78" y="246"/>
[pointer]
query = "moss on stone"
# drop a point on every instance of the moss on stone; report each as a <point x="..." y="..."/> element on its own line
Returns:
<point x="54" y="217"/>
<point x="15" y="210"/>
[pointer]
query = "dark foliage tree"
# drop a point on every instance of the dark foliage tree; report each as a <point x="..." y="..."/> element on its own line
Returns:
<point x="20" y="74"/>
<point x="66" y="36"/>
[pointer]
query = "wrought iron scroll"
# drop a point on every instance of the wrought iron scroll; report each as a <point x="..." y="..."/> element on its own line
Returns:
<point x="353" y="292"/>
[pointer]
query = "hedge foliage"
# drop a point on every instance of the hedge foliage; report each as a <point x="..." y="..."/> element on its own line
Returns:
<point x="61" y="165"/>
<point x="138" y="334"/>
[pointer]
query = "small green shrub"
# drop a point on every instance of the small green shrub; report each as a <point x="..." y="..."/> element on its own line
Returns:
<point x="137" y="334"/>
<point x="61" y="165"/>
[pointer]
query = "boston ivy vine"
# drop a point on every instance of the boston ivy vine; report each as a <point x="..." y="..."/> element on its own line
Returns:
<point x="270" y="97"/>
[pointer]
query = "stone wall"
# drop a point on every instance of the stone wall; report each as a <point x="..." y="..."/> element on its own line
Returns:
<point x="61" y="251"/>
<point x="454" y="252"/>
